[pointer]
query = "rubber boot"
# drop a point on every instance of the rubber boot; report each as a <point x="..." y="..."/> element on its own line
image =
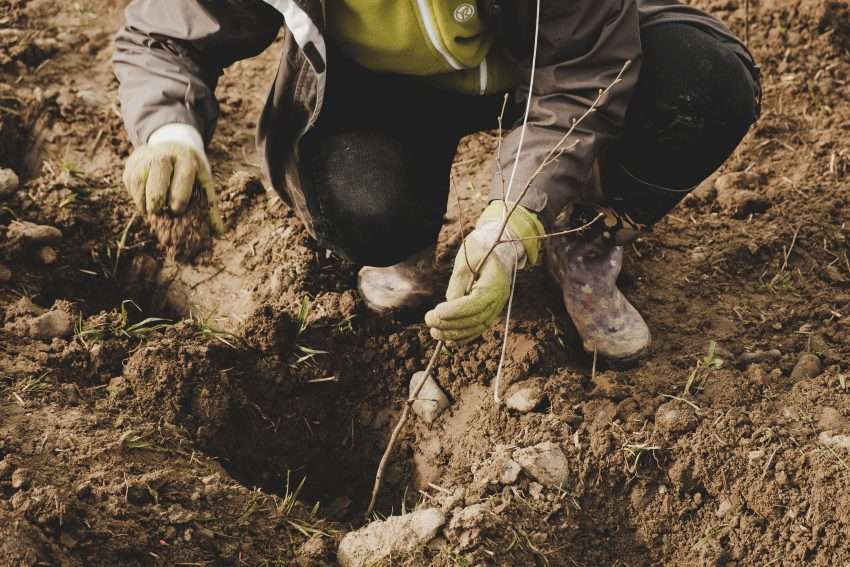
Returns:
<point x="586" y="269"/>
<point x="406" y="287"/>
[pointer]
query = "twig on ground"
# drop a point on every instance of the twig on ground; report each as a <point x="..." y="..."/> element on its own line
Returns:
<point x="382" y="466"/>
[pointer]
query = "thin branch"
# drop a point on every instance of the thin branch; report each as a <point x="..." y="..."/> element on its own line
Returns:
<point x="499" y="147"/>
<point x="382" y="466"/>
<point x="582" y="228"/>
<point x="497" y="385"/>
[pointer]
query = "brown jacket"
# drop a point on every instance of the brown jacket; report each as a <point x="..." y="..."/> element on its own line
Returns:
<point x="170" y="53"/>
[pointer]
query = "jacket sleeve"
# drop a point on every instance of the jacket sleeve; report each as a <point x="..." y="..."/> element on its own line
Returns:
<point x="583" y="46"/>
<point x="170" y="53"/>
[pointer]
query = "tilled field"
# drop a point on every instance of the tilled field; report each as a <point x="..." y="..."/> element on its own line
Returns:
<point x="233" y="411"/>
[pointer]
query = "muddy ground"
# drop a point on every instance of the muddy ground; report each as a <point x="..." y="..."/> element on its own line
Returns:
<point x="233" y="411"/>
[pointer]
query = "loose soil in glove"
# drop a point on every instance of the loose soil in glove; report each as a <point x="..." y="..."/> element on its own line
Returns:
<point x="233" y="411"/>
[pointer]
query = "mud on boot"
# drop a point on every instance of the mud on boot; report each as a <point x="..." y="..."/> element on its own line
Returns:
<point x="586" y="269"/>
<point x="404" y="288"/>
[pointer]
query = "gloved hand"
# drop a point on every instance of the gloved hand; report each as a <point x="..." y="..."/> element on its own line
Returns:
<point x="465" y="316"/>
<point x="162" y="176"/>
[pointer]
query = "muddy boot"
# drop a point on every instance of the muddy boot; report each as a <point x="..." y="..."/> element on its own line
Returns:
<point x="586" y="269"/>
<point x="406" y="287"/>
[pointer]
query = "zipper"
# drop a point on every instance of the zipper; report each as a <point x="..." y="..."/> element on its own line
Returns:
<point x="482" y="77"/>
<point x="434" y="35"/>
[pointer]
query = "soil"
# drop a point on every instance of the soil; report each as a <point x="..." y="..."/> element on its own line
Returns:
<point x="233" y="410"/>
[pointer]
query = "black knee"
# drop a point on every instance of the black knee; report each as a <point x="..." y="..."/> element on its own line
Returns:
<point x="374" y="207"/>
<point x="694" y="102"/>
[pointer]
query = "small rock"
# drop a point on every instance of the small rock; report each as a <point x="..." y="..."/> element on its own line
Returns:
<point x="31" y="232"/>
<point x="72" y="396"/>
<point x="737" y="181"/>
<point x="431" y="401"/>
<point x="5" y="274"/>
<point x="56" y="323"/>
<point x="6" y="469"/>
<point x="726" y="506"/>
<point x="525" y="396"/>
<point x="838" y="441"/>
<point x="9" y="182"/>
<point x="756" y="455"/>
<point x="741" y="204"/>
<point x="392" y="537"/>
<point x="21" y="479"/>
<point x="464" y="531"/>
<point x="47" y="255"/>
<point x="545" y="462"/>
<point x="809" y="366"/>
<point x="832" y="420"/>
<point x="117" y="386"/>
<point x="759" y="356"/>
<point x="675" y="418"/>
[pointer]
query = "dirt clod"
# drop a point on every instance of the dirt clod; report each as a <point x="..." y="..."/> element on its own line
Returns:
<point x="546" y="463"/>
<point x="383" y="539"/>
<point x="56" y="323"/>
<point x="21" y="479"/>
<point x="184" y="236"/>
<point x="525" y="396"/>
<point x="9" y="182"/>
<point x="809" y="366"/>
<point x="674" y="418"/>
<point x="431" y="401"/>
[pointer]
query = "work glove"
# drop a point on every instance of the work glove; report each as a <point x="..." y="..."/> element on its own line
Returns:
<point x="473" y="304"/>
<point x="161" y="177"/>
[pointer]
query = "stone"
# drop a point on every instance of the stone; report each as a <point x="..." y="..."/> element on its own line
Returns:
<point x="501" y="469"/>
<point x="31" y="232"/>
<point x="431" y="401"/>
<point x="47" y="255"/>
<point x="55" y="324"/>
<point x="397" y="535"/>
<point x="756" y="455"/>
<point x="758" y="356"/>
<point x="831" y="420"/>
<point x="117" y="386"/>
<point x="9" y="182"/>
<point x="525" y="396"/>
<point x="545" y="463"/>
<point x="6" y="469"/>
<point x="809" y="366"/>
<point x="21" y="479"/>
<point x="5" y="274"/>
<point x="835" y="441"/>
<point x="674" y="418"/>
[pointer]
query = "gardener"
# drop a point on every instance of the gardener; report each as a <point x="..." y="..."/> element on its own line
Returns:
<point x="371" y="97"/>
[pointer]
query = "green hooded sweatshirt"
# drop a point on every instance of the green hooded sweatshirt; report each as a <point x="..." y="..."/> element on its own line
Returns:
<point x="443" y="40"/>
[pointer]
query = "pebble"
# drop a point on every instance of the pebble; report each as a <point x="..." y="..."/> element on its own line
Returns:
<point x="31" y="232"/>
<point x="832" y="420"/>
<point x="838" y="441"/>
<point x="431" y="401"/>
<point x="55" y="324"/>
<point x="809" y="366"/>
<point x="525" y="396"/>
<point x="759" y="356"/>
<point x="5" y="274"/>
<point x="546" y="463"/>
<point x="6" y="469"/>
<point x="21" y="479"/>
<point x="674" y="417"/>
<point x="393" y="537"/>
<point x="756" y="455"/>
<point x="9" y="182"/>
<point x="736" y="194"/>
<point x="47" y="255"/>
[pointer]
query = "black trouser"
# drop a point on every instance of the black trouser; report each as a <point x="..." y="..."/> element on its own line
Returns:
<point x="376" y="167"/>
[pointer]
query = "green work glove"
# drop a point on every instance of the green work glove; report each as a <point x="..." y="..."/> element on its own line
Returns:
<point x="467" y="314"/>
<point x="162" y="177"/>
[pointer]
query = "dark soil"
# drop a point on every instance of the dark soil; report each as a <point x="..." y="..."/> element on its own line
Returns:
<point x="156" y="412"/>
